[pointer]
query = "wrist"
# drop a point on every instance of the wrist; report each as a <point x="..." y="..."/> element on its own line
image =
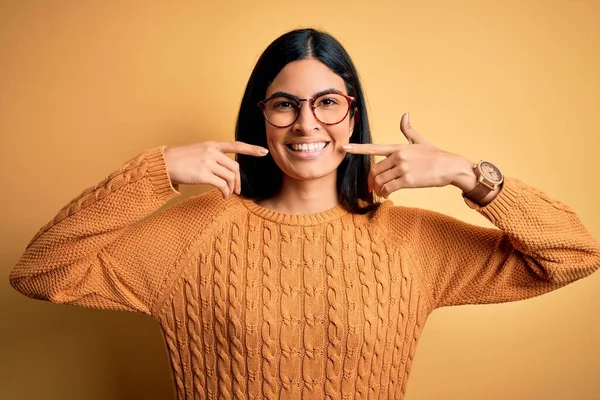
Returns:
<point x="464" y="177"/>
<point x="488" y="184"/>
<point x="168" y="158"/>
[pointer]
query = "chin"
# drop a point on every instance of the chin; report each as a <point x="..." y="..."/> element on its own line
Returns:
<point x="307" y="175"/>
<point x="305" y="171"/>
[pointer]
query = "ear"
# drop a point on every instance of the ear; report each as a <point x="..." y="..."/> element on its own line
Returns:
<point x="354" y="120"/>
<point x="355" y="116"/>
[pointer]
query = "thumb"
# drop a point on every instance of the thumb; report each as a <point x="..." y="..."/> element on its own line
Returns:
<point x="411" y="135"/>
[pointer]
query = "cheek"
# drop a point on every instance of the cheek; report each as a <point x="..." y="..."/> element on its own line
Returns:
<point x="274" y="135"/>
<point x="275" y="138"/>
<point x="340" y="133"/>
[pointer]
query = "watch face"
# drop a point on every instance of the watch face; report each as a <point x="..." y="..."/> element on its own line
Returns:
<point x="491" y="172"/>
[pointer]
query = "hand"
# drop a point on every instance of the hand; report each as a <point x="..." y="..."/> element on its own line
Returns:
<point x="206" y="163"/>
<point x="418" y="164"/>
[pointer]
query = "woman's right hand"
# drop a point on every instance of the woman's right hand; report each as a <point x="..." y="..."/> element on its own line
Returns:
<point x="206" y="163"/>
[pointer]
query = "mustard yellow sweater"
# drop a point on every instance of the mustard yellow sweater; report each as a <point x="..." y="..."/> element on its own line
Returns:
<point x="256" y="304"/>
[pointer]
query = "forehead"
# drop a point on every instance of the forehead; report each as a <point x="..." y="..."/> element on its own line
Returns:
<point x="304" y="78"/>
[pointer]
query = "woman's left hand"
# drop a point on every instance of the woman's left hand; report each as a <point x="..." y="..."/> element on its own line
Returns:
<point x="418" y="164"/>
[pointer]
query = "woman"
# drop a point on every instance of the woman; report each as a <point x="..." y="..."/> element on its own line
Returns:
<point x="290" y="281"/>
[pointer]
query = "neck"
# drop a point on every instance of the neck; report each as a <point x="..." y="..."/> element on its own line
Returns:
<point x="304" y="196"/>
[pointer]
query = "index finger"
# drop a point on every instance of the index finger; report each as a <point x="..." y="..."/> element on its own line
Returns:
<point x="242" y="148"/>
<point x="372" y="149"/>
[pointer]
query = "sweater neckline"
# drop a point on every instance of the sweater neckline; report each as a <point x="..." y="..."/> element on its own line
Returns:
<point x="294" y="219"/>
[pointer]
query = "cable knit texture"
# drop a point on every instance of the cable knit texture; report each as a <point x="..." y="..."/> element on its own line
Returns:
<point x="255" y="304"/>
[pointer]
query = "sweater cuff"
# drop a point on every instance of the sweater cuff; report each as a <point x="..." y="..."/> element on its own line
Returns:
<point x="158" y="175"/>
<point x="501" y="206"/>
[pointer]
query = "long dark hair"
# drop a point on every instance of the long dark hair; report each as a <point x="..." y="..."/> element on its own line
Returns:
<point x="261" y="177"/>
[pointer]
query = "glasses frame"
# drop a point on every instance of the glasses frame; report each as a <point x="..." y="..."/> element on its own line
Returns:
<point x="311" y="102"/>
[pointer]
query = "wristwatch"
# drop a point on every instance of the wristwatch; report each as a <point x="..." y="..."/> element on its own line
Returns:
<point x="489" y="177"/>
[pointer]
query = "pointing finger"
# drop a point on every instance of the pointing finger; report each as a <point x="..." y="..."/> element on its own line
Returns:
<point x="242" y="148"/>
<point x="372" y="149"/>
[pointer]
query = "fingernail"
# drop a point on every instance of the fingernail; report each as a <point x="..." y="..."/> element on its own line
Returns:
<point x="347" y="147"/>
<point x="264" y="152"/>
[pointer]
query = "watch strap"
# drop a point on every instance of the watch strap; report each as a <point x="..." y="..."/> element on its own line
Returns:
<point x="481" y="190"/>
<point x="479" y="193"/>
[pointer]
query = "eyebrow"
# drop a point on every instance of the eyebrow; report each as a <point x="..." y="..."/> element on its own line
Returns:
<point x="322" y="92"/>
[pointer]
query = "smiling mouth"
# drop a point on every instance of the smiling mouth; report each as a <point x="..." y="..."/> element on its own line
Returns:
<point x="307" y="147"/>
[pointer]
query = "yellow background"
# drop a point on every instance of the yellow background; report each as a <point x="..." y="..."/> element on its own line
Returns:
<point x="84" y="85"/>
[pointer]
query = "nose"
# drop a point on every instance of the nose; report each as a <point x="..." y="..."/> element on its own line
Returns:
<point x="306" y="121"/>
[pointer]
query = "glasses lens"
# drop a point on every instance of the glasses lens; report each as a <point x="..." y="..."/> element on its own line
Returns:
<point x="331" y="108"/>
<point x="281" y="111"/>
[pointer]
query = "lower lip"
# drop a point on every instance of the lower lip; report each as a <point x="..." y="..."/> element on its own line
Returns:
<point x="305" y="155"/>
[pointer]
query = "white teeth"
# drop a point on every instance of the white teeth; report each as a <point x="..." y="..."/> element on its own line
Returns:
<point x="308" y="147"/>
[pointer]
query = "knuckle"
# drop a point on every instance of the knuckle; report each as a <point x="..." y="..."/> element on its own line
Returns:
<point x="398" y="155"/>
<point x="379" y="181"/>
<point x="384" y="190"/>
<point x="390" y="187"/>
<point x="212" y="150"/>
<point x="376" y="169"/>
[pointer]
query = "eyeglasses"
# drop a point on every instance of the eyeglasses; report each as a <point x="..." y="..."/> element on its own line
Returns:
<point x="329" y="108"/>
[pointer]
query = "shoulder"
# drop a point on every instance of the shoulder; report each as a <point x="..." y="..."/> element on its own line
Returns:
<point x="196" y="213"/>
<point x="389" y="215"/>
<point x="406" y="223"/>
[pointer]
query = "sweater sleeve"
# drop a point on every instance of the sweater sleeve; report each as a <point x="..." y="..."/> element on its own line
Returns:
<point x="541" y="245"/>
<point x="99" y="250"/>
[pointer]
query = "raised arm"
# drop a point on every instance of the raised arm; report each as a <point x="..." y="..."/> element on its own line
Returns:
<point x="101" y="251"/>
<point x="540" y="245"/>
<point x="67" y="260"/>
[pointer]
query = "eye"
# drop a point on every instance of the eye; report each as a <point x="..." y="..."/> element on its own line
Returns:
<point x="328" y="101"/>
<point x="283" y="104"/>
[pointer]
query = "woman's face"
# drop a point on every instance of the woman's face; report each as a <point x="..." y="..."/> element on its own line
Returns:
<point x="289" y="146"/>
